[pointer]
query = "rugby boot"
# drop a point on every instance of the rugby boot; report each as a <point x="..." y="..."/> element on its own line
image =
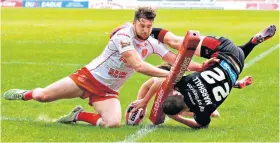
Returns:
<point x="247" y="80"/>
<point x="264" y="35"/>
<point x="71" y="117"/>
<point x="14" y="94"/>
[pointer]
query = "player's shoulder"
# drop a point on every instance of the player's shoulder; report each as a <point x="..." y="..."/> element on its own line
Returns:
<point x="154" y="41"/>
<point x="125" y="32"/>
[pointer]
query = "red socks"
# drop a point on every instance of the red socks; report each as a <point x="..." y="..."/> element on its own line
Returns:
<point x="28" y="95"/>
<point x="91" y="118"/>
<point x="254" y="40"/>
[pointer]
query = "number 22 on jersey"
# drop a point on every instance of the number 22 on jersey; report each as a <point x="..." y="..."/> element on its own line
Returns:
<point x="211" y="78"/>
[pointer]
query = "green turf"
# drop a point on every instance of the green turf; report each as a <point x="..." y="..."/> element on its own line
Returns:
<point x="40" y="46"/>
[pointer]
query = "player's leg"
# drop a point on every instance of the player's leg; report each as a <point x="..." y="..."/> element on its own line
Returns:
<point x="62" y="89"/>
<point x="104" y="100"/>
<point x="108" y="114"/>
<point x="260" y="37"/>
<point x="207" y="45"/>
<point x="110" y="111"/>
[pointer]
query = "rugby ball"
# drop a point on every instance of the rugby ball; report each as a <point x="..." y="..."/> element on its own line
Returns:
<point x="136" y="117"/>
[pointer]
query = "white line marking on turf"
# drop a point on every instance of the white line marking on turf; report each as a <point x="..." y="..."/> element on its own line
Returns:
<point x="54" y="42"/>
<point x="261" y="56"/>
<point x="40" y="118"/>
<point x="247" y="65"/>
<point x="40" y="64"/>
<point x="140" y="133"/>
<point x="150" y="128"/>
<point x="44" y="118"/>
<point x="3" y="118"/>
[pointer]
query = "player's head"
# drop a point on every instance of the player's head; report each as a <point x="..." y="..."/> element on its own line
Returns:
<point x="143" y="22"/>
<point x="173" y="105"/>
<point x="165" y="66"/>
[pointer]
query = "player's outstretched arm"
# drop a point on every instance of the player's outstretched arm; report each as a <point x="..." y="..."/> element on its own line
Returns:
<point x="170" y="58"/>
<point x="149" y="90"/>
<point x="145" y="88"/>
<point x="189" y="122"/>
<point x="134" y="60"/>
<point x="173" y="40"/>
<point x="194" y="66"/>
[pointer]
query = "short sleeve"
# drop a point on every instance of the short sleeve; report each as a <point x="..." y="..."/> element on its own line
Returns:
<point x="123" y="43"/>
<point x="159" y="48"/>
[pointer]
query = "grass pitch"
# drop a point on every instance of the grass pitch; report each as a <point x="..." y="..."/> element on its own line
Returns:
<point x="40" y="46"/>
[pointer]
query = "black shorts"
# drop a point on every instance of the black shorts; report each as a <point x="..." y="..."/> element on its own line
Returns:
<point x="222" y="48"/>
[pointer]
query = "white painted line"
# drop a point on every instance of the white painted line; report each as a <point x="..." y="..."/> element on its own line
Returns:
<point x="147" y="129"/>
<point x="3" y="118"/>
<point x="54" y="42"/>
<point x="44" y="118"/>
<point x="247" y="65"/>
<point x="140" y="133"/>
<point x="40" y="118"/>
<point x="40" y="64"/>
<point x="143" y="131"/>
<point x="261" y="56"/>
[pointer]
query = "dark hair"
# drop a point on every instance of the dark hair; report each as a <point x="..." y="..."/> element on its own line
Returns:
<point x="165" y="66"/>
<point x="145" y="12"/>
<point x="173" y="105"/>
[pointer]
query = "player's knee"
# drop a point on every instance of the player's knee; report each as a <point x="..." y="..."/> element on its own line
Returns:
<point x="40" y="95"/>
<point x="113" y="123"/>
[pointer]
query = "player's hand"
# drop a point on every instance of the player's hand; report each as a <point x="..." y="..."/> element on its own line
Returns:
<point x="208" y="63"/>
<point x="139" y="104"/>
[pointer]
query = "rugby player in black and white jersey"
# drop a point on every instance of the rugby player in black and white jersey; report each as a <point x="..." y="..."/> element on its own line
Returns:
<point x="204" y="91"/>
